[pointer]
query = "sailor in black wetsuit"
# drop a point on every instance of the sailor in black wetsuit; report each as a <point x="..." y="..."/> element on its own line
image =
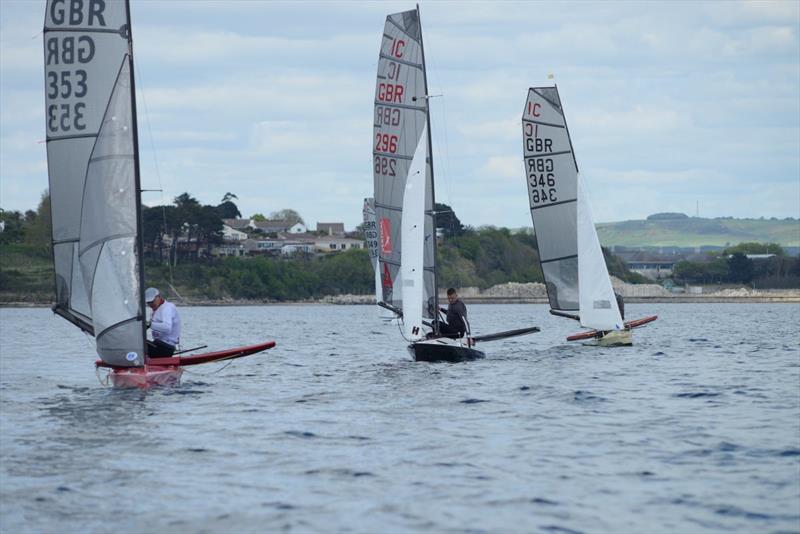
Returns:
<point x="456" y="325"/>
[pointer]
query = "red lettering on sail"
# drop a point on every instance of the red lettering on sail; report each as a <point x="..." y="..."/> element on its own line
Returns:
<point x="533" y="109"/>
<point x="386" y="236"/>
<point x="390" y="92"/>
<point x="397" y="47"/>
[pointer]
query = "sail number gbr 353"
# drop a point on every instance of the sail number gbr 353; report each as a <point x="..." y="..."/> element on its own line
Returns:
<point x="68" y="55"/>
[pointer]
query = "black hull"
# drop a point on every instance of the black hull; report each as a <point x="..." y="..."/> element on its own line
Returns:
<point x="432" y="352"/>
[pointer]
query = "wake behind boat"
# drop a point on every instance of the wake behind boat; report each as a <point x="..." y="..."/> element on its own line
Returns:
<point x="572" y="262"/>
<point x="95" y="188"/>
<point x="405" y="195"/>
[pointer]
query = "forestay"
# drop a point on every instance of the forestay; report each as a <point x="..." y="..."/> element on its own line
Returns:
<point x="401" y="111"/>
<point x="552" y="177"/>
<point x="90" y="126"/>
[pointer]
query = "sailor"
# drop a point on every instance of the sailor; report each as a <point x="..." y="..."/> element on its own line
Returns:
<point x="165" y="324"/>
<point x="620" y="304"/>
<point x="456" y="325"/>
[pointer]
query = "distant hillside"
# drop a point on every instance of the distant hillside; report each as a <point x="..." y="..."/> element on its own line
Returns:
<point x="679" y="230"/>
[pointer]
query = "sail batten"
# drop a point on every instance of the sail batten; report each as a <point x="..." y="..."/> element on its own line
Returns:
<point x="92" y="166"/>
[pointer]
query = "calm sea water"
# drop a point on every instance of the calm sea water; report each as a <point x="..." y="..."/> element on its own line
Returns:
<point x="694" y="429"/>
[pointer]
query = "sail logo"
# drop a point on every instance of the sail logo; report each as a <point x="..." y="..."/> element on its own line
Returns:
<point x="131" y="356"/>
<point x="386" y="279"/>
<point x="386" y="236"/>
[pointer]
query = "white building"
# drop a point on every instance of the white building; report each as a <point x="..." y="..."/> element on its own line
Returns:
<point x="336" y="244"/>
<point x="231" y="234"/>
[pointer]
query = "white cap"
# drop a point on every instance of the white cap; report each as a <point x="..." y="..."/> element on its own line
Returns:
<point x="150" y="294"/>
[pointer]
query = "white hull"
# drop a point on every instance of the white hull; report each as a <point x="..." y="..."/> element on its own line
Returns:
<point x="616" y="338"/>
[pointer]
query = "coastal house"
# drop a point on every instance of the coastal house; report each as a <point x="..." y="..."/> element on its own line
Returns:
<point x="332" y="229"/>
<point x="292" y="247"/>
<point x="336" y="244"/>
<point x="239" y="224"/>
<point x="289" y="227"/>
<point x="230" y="248"/>
<point x="232" y="234"/>
<point x="648" y="264"/>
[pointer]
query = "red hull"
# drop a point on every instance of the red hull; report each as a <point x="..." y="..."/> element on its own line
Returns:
<point x="168" y="371"/>
<point x="147" y="376"/>
<point x="598" y="333"/>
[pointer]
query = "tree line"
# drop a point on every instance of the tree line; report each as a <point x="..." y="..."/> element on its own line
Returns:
<point x="733" y="266"/>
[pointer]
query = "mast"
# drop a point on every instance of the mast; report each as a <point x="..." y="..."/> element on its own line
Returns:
<point x="137" y="179"/>
<point x="433" y="193"/>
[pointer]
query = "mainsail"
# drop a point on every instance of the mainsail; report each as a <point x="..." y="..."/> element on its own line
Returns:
<point x="93" y="169"/>
<point x="401" y="114"/>
<point x="372" y="237"/>
<point x="561" y="216"/>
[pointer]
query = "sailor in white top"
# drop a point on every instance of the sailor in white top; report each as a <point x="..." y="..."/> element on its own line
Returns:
<point x="165" y="324"/>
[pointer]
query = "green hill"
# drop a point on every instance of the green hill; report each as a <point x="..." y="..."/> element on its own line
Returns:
<point x="678" y="230"/>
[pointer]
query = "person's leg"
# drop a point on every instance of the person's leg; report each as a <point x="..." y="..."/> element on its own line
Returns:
<point x="159" y="349"/>
<point x="448" y="331"/>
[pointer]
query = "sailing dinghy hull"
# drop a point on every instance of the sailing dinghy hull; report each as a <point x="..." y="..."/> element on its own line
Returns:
<point x="167" y="372"/>
<point x="443" y="350"/>
<point x="613" y="338"/>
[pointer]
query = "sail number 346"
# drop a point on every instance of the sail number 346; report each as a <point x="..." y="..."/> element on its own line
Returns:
<point x="542" y="180"/>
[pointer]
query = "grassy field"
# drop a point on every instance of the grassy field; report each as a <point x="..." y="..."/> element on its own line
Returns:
<point x="26" y="274"/>
<point x="695" y="232"/>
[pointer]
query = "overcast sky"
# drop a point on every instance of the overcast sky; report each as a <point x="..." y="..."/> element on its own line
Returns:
<point x="669" y="104"/>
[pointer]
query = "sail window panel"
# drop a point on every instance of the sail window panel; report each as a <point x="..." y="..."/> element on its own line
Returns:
<point x="62" y="260"/>
<point x="122" y="345"/>
<point x="79" y="292"/>
<point x="67" y="168"/>
<point x="538" y="108"/>
<point x="561" y="280"/>
<point x="84" y="271"/>
<point x="115" y="287"/>
<point x="109" y="200"/>
<point x="556" y="231"/>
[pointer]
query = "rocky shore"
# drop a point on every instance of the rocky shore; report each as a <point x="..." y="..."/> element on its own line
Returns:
<point x="510" y="293"/>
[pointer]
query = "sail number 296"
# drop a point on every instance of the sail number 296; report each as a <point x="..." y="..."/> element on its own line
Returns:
<point x="386" y="143"/>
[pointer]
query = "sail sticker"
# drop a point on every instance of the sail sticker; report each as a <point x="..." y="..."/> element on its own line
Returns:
<point x="387" y="277"/>
<point x="386" y="236"/>
<point x="131" y="356"/>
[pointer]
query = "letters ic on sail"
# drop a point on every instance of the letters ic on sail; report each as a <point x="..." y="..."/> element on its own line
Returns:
<point x="552" y="178"/>
<point x="91" y="164"/>
<point x="399" y="119"/>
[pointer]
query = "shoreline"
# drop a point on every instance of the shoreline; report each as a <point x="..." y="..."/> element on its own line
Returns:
<point x="333" y="301"/>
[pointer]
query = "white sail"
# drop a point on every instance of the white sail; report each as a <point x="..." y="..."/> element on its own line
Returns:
<point x="412" y="265"/>
<point x="598" y="306"/>
<point x="92" y="166"/>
